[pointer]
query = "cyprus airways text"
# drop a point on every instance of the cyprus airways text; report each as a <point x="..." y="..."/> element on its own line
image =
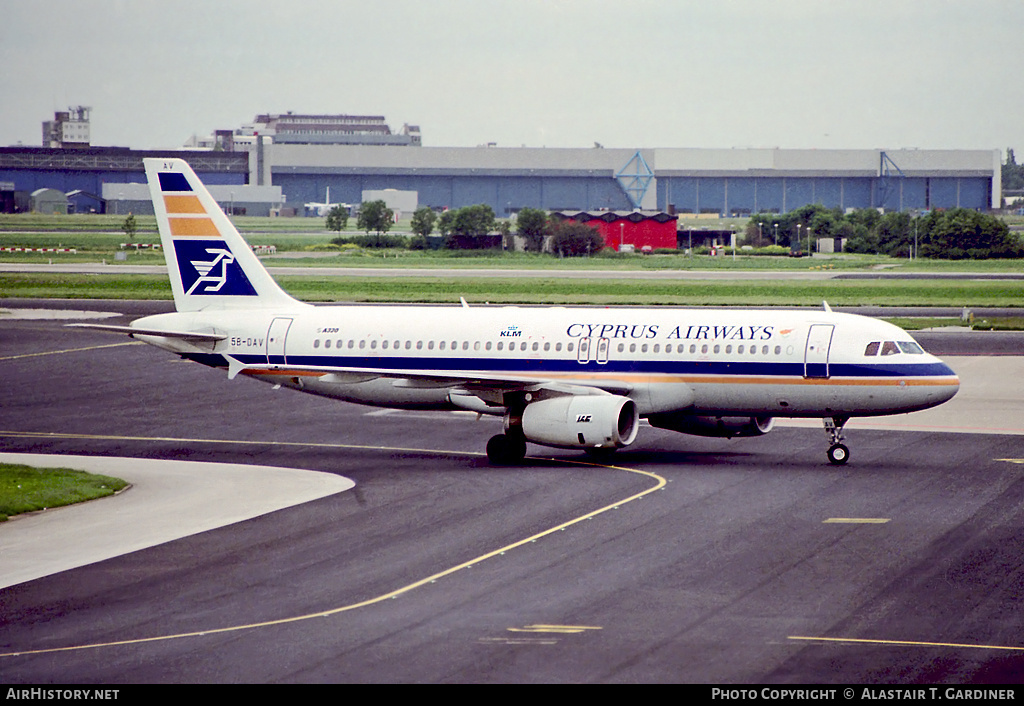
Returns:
<point x="649" y="331"/>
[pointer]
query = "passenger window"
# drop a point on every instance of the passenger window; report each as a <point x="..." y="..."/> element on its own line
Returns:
<point x="327" y="343"/>
<point x="501" y="346"/>
<point x="316" y="343"/>
<point x="373" y="345"/>
<point x="872" y="348"/>
<point x="890" y="348"/>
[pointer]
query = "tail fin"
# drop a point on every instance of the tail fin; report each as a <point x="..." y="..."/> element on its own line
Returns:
<point x="209" y="263"/>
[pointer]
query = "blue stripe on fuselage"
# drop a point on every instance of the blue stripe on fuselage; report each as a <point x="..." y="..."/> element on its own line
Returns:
<point x="534" y="365"/>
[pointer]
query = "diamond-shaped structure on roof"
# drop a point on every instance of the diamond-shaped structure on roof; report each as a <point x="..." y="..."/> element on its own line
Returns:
<point x="635" y="178"/>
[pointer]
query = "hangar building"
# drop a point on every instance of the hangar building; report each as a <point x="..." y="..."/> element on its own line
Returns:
<point x="728" y="182"/>
<point x="723" y="181"/>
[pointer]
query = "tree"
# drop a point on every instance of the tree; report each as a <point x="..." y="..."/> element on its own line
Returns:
<point x="445" y="221"/>
<point x="337" y="219"/>
<point x="375" y="216"/>
<point x="129" y="227"/>
<point x="468" y="224"/>
<point x="532" y="225"/>
<point x="572" y="239"/>
<point x="1012" y="173"/>
<point x="423" y="221"/>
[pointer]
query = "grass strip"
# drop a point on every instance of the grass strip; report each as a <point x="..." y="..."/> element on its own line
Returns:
<point x="610" y="291"/>
<point x="27" y="489"/>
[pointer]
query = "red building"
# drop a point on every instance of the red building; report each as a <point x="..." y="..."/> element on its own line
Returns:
<point x="644" y="230"/>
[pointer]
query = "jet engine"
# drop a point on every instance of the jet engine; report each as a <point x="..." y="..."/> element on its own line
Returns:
<point x="582" y="421"/>
<point x="719" y="427"/>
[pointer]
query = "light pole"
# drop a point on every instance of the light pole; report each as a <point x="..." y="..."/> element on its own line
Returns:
<point x="798" y="240"/>
<point x="776" y="234"/>
<point x="914" y="215"/>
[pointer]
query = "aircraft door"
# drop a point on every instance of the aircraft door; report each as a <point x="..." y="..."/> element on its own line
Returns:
<point x="276" y="337"/>
<point x="583" y="351"/>
<point x="603" y="344"/>
<point x="819" y="340"/>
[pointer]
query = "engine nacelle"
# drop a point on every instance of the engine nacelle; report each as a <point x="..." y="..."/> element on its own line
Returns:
<point x="582" y="421"/>
<point x="718" y="427"/>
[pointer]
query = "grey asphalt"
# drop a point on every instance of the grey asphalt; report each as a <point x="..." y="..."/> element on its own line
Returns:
<point x="436" y="567"/>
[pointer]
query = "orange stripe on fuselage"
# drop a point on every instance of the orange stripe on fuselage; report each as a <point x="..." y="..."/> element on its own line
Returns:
<point x="193" y="227"/>
<point x="183" y="204"/>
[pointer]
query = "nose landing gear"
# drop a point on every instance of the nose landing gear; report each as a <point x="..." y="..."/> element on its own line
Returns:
<point x="838" y="454"/>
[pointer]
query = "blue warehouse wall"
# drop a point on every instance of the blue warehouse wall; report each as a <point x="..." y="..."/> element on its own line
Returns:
<point x="743" y="195"/>
<point x="501" y="193"/>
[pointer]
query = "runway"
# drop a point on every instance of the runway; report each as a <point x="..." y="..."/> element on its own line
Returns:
<point x="688" y="560"/>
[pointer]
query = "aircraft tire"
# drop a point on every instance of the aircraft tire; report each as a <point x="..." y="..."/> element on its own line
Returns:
<point x="503" y="450"/>
<point x="600" y="454"/>
<point x="838" y="454"/>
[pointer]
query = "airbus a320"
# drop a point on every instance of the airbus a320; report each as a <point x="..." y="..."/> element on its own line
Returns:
<point x="566" y="377"/>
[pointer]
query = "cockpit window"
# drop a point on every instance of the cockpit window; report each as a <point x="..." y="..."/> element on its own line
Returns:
<point x="872" y="348"/>
<point x="890" y="348"/>
<point x="910" y="347"/>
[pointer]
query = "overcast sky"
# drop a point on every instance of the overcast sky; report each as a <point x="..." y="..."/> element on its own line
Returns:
<point x="821" y="74"/>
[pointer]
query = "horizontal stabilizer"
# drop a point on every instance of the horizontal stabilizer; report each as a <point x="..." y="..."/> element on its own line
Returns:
<point x="132" y="330"/>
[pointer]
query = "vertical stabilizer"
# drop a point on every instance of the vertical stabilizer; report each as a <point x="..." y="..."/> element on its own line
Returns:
<point x="209" y="263"/>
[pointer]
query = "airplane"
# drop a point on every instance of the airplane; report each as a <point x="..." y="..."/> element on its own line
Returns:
<point x="316" y="208"/>
<point x="565" y="377"/>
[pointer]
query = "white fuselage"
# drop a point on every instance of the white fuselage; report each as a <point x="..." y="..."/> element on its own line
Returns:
<point x="794" y="363"/>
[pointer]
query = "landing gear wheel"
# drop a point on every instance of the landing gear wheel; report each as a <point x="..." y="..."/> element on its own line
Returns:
<point x="505" y="450"/>
<point x="600" y="453"/>
<point x="838" y="454"/>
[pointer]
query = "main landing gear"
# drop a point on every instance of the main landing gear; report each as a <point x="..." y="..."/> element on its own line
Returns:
<point x="506" y="449"/>
<point x="838" y="454"/>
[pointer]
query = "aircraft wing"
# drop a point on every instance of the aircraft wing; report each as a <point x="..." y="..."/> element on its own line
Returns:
<point x="488" y="386"/>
